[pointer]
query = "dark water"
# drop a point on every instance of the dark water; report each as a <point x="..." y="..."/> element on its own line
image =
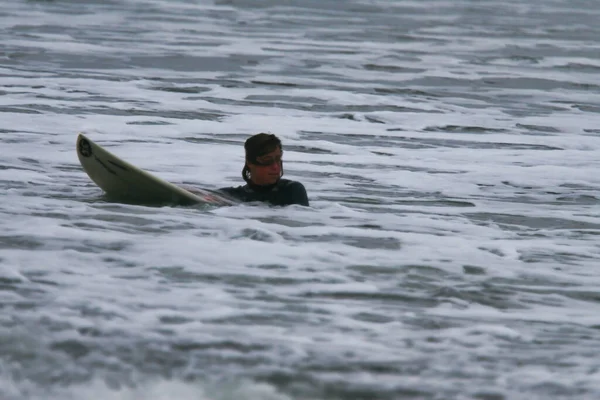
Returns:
<point x="449" y="149"/>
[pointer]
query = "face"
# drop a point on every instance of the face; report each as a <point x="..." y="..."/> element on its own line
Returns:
<point x="267" y="169"/>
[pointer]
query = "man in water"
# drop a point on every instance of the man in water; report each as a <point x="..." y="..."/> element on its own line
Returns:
<point x="263" y="171"/>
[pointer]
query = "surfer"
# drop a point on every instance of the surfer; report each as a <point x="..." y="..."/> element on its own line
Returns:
<point x="263" y="171"/>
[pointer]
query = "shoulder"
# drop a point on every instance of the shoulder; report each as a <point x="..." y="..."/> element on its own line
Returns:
<point x="295" y="191"/>
<point x="229" y="189"/>
<point x="237" y="190"/>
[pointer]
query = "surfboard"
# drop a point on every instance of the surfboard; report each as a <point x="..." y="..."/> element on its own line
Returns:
<point x="123" y="181"/>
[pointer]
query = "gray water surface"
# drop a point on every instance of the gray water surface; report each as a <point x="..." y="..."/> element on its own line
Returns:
<point x="450" y="152"/>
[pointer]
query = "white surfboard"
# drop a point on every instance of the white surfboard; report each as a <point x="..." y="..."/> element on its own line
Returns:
<point x="124" y="181"/>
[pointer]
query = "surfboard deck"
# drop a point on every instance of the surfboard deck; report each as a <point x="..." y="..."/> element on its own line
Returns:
<point x="124" y="181"/>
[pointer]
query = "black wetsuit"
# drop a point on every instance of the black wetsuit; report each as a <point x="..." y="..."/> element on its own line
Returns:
<point x="282" y="193"/>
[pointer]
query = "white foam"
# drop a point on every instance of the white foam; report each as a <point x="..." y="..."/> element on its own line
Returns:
<point x="158" y="389"/>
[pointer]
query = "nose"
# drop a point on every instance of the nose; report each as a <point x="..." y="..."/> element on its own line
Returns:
<point x="275" y="167"/>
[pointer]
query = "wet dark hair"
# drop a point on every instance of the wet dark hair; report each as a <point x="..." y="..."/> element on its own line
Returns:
<point x="257" y="146"/>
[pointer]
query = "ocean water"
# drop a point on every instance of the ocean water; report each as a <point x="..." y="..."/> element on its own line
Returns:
<point x="451" y="153"/>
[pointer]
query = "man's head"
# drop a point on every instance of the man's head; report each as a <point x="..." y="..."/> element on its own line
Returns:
<point x="263" y="159"/>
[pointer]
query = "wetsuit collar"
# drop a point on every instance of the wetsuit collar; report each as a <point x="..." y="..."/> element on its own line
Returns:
<point x="262" y="188"/>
